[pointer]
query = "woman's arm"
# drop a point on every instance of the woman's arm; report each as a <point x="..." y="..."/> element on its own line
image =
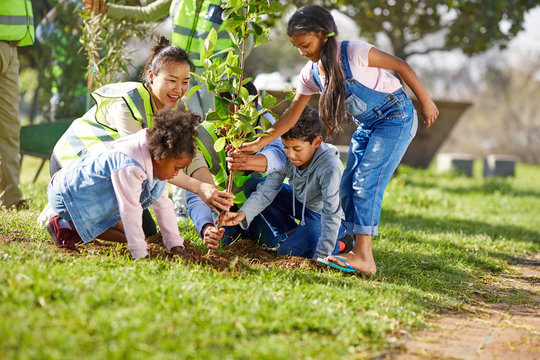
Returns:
<point x="281" y="126"/>
<point x="380" y="59"/>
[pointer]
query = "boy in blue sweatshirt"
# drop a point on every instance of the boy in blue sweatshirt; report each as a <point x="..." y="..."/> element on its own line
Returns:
<point x="306" y="213"/>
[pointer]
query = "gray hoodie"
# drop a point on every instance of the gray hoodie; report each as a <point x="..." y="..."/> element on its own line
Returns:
<point x="317" y="187"/>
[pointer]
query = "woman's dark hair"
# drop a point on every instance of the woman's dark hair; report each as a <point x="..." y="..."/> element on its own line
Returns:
<point x="307" y="128"/>
<point x="314" y="19"/>
<point x="162" y="55"/>
<point x="173" y="134"/>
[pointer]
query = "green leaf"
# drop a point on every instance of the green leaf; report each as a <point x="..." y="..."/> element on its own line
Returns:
<point x="222" y="106"/>
<point x="262" y="134"/>
<point x="237" y="143"/>
<point x="262" y="39"/>
<point x="244" y="118"/>
<point x="220" y="143"/>
<point x="244" y="94"/>
<point x="268" y="100"/>
<point x="193" y="90"/>
<point x="212" y="117"/>
<point x="210" y="41"/>
<point x="255" y="27"/>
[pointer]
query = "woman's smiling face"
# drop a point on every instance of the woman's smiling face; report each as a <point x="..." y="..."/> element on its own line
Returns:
<point x="309" y="44"/>
<point x="169" y="84"/>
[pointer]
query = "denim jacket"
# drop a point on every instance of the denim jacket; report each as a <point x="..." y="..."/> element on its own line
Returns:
<point x="96" y="202"/>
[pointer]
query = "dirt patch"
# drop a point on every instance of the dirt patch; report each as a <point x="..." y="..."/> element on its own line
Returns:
<point x="235" y="258"/>
<point x="489" y="330"/>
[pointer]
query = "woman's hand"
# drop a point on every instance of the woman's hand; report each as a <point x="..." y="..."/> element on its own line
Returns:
<point x="430" y="112"/>
<point x="92" y="4"/>
<point x="233" y="218"/>
<point x="215" y="198"/>
<point x="212" y="235"/>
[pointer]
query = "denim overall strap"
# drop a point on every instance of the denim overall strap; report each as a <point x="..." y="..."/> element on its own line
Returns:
<point x="345" y="60"/>
<point x="316" y="77"/>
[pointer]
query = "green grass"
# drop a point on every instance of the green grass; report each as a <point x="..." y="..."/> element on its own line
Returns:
<point x="442" y="238"/>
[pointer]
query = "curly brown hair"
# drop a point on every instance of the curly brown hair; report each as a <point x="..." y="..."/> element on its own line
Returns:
<point x="173" y="134"/>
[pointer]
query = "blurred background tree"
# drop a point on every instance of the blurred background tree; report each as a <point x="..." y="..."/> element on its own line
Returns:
<point x="470" y="25"/>
<point x="52" y="70"/>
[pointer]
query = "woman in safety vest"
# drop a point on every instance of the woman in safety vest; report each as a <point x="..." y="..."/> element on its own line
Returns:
<point x="124" y="108"/>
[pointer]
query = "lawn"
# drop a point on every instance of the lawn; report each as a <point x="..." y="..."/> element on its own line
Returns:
<point x="442" y="238"/>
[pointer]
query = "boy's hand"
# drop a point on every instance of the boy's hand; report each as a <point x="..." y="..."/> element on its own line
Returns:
<point x="233" y="218"/>
<point x="212" y="235"/>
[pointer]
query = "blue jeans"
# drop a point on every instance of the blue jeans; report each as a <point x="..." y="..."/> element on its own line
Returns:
<point x="280" y="218"/>
<point x="376" y="149"/>
<point x="258" y="231"/>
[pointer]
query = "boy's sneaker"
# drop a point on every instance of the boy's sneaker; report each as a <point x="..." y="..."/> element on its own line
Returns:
<point x="61" y="236"/>
<point x="346" y="244"/>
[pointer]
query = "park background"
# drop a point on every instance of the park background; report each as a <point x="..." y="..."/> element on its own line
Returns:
<point x="446" y="239"/>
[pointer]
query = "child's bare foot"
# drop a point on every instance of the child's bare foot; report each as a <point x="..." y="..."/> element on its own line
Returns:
<point x="364" y="264"/>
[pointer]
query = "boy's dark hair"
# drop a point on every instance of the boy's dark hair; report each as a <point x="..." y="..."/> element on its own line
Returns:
<point x="307" y="128"/>
<point x="173" y="134"/>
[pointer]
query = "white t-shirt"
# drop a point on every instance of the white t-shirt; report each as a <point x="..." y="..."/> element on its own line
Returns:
<point x="374" y="78"/>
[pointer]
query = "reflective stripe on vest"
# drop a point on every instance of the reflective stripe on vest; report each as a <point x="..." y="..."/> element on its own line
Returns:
<point x="17" y="22"/>
<point x="216" y="162"/>
<point x="81" y="137"/>
<point x="192" y="24"/>
<point x="85" y="135"/>
<point x="136" y="96"/>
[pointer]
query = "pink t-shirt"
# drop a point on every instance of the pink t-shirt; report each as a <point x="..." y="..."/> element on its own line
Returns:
<point x="374" y="78"/>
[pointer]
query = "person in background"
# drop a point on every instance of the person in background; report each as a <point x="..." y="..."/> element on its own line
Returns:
<point x="16" y="30"/>
<point x="103" y="194"/>
<point x="352" y="80"/>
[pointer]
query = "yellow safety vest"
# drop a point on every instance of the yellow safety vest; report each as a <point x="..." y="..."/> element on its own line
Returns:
<point x="17" y="22"/>
<point x="85" y="135"/>
<point x="192" y="23"/>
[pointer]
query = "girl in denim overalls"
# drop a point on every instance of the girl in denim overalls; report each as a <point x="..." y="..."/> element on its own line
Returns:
<point x="351" y="80"/>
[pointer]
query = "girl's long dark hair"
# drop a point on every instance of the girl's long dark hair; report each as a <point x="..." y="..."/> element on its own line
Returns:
<point x="163" y="54"/>
<point x="314" y="19"/>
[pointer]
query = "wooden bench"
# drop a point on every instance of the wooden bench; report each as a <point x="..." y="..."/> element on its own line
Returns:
<point x="39" y="140"/>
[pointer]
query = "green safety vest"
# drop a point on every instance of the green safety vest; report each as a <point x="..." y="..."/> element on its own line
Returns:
<point x="206" y="137"/>
<point x="17" y="22"/>
<point x="85" y="135"/>
<point x="192" y="23"/>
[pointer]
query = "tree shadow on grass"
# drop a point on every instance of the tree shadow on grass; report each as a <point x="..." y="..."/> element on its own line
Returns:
<point x="488" y="186"/>
<point x="460" y="226"/>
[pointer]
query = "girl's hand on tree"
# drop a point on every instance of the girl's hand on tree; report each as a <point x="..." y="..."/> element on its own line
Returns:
<point x="212" y="235"/>
<point x="430" y="112"/>
<point x="215" y="198"/>
<point x="251" y="147"/>
<point x="233" y="218"/>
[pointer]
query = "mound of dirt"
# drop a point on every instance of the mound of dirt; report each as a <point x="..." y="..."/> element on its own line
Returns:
<point x="235" y="258"/>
